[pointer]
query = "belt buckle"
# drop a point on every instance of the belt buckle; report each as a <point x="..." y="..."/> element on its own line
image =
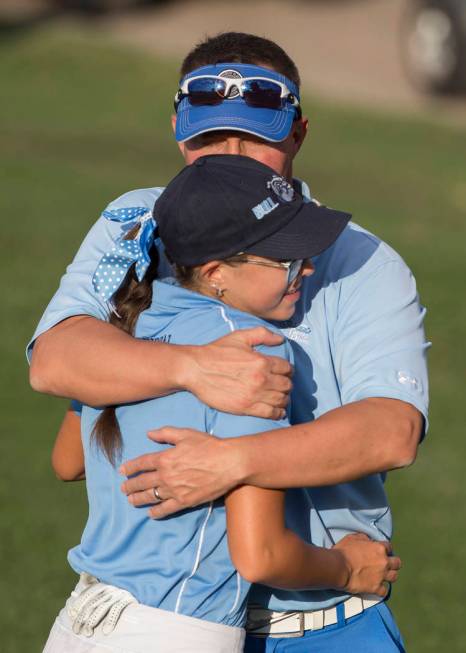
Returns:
<point x="300" y="626"/>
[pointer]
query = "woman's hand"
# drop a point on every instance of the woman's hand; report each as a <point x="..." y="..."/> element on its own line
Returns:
<point x="370" y="564"/>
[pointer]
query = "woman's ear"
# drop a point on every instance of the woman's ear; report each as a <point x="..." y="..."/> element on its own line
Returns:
<point x="211" y="275"/>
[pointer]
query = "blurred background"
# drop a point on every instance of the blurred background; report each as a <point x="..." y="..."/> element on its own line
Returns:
<point x="87" y="90"/>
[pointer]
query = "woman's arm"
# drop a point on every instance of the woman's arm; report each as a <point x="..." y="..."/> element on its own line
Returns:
<point x="265" y="551"/>
<point x="68" y="454"/>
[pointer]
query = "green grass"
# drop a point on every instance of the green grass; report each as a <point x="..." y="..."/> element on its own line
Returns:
<point x="81" y="123"/>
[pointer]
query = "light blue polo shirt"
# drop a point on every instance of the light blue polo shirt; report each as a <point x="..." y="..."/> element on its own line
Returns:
<point x="357" y="333"/>
<point x="182" y="563"/>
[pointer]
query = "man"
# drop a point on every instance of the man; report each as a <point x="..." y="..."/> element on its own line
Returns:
<point x="360" y="382"/>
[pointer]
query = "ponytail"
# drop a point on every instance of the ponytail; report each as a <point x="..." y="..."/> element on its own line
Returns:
<point x="129" y="301"/>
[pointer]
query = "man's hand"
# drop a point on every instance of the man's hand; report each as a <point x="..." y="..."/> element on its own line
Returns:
<point x="198" y="469"/>
<point x="230" y="376"/>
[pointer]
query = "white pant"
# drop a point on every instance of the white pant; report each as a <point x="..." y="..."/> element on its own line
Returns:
<point x="142" y="629"/>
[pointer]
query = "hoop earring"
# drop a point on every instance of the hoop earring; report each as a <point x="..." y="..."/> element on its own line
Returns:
<point x="219" y="292"/>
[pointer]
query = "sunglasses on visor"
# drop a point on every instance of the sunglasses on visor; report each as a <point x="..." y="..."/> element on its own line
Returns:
<point x="259" y="92"/>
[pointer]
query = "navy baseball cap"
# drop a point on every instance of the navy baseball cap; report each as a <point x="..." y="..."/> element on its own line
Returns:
<point x="233" y="113"/>
<point x="225" y="204"/>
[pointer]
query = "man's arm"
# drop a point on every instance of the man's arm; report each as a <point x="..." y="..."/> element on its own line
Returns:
<point x="365" y="437"/>
<point x="93" y="361"/>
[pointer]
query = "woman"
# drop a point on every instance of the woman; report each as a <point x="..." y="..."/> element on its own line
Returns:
<point x="241" y="242"/>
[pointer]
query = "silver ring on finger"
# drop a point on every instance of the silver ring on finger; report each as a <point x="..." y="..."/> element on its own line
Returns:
<point x="157" y="495"/>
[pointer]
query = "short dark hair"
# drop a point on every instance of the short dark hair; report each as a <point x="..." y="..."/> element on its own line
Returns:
<point x="238" y="47"/>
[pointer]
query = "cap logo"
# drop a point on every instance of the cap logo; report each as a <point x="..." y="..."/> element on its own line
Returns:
<point x="265" y="207"/>
<point x="282" y="189"/>
<point x="231" y="74"/>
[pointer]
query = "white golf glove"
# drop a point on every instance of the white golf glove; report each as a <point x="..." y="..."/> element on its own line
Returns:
<point x="98" y="604"/>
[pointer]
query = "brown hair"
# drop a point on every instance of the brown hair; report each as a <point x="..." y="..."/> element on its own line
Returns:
<point x="238" y="47"/>
<point x="129" y="301"/>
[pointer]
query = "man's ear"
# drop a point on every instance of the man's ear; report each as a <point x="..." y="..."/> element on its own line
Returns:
<point x="181" y="146"/>
<point x="299" y="132"/>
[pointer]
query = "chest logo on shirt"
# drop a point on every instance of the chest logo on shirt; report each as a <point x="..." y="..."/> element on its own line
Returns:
<point x="300" y="334"/>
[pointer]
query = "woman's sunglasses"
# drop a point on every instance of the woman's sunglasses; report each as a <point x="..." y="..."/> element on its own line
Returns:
<point x="293" y="267"/>
<point x="259" y="92"/>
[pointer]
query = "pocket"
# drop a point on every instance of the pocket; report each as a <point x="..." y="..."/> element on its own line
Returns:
<point x="393" y="641"/>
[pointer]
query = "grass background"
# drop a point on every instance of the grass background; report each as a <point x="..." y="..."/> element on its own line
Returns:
<point x="81" y="123"/>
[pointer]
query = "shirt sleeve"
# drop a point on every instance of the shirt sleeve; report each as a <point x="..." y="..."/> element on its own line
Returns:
<point x="379" y="341"/>
<point x="76" y="294"/>
<point x="77" y="407"/>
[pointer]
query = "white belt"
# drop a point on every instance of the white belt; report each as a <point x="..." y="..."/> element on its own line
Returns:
<point x="293" y="624"/>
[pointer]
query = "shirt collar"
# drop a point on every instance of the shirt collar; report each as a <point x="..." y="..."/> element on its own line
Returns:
<point x="302" y="188"/>
<point x="169" y="296"/>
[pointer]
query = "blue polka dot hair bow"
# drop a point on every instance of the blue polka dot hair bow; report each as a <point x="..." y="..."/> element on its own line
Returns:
<point x="114" y="265"/>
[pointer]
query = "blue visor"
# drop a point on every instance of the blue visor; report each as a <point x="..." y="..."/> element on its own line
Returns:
<point x="234" y="114"/>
